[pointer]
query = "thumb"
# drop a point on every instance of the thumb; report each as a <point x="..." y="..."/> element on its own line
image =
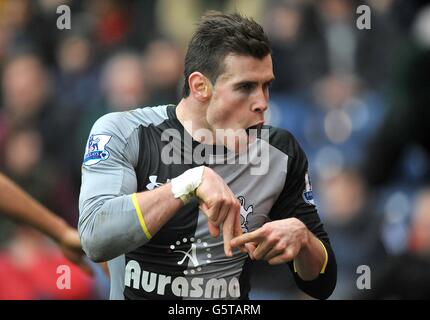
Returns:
<point x="250" y="247"/>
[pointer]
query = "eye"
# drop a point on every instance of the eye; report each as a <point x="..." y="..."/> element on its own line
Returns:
<point x="247" y="87"/>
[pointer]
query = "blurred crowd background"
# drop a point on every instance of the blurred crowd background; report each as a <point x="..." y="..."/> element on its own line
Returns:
<point x="358" y="101"/>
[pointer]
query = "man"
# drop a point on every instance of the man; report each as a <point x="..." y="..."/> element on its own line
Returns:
<point x="19" y="205"/>
<point x="172" y="227"/>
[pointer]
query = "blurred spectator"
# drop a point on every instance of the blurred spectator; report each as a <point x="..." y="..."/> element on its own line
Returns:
<point x="406" y="121"/>
<point x="163" y="60"/>
<point x="111" y="19"/>
<point x="143" y="25"/>
<point x="77" y="76"/>
<point x="30" y="27"/>
<point x="123" y="82"/>
<point x="348" y="50"/>
<point x="23" y="152"/>
<point x="354" y="228"/>
<point x="283" y="25"/>
<point x="15" y="20"/>
<point x="324" y="42"/>
<point x="25" y="163"/>
<point x="27" y="101"/>
<point x="177" y="19"/>
<point x="406" y="276"/>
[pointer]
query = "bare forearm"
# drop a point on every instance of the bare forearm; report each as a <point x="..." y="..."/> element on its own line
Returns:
<point x="311" y="259"/>
<point x="158" y="207"/>
<point x="19" y="205"/>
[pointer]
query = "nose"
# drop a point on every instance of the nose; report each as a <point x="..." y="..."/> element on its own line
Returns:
<point x="261" y="103"/>
<point x="260" y="108"/>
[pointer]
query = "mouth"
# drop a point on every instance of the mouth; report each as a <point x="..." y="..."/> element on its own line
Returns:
<point x="254" y="128"/>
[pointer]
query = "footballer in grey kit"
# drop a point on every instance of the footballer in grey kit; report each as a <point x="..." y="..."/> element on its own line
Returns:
<point x="182" y="260"/>
<point x="154" y="197"/>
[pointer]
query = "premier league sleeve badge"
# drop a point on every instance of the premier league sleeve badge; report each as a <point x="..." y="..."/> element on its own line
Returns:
<point x="96" y="149"/>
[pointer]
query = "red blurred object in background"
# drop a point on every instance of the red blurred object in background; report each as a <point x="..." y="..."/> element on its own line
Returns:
<point x="28" y="271"/>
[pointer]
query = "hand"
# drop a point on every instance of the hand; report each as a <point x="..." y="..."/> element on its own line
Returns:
<point x="276" y="242"/>
<point x="71" y="247"/>
<point x="221" y="207"/>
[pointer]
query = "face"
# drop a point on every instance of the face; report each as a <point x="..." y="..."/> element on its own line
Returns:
<point x="240" y="95"/>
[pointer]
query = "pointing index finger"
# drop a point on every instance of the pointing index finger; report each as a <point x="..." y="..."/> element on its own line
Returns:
<point x="245" y="238"/>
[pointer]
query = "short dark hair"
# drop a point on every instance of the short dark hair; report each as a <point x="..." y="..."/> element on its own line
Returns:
<point x="218" y="35"/>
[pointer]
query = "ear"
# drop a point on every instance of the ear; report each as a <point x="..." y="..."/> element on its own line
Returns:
<point x="200" y="86"/>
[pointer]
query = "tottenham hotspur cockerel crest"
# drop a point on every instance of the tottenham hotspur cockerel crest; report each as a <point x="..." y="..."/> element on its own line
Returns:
<point x="244" y="213"/>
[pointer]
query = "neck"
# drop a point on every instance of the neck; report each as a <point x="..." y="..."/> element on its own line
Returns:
<point x="192" y="115"/>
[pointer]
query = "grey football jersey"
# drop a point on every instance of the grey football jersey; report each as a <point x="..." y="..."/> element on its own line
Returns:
<point x="128" y="152"/>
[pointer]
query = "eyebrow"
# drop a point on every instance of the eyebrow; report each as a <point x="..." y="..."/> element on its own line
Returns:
<point x="240" y="83"/>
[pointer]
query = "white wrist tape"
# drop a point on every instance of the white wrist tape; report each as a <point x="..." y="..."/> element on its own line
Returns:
<point x="185" y="185"/>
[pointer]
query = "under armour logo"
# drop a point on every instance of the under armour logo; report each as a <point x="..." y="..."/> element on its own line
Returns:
<point x="153" y="183"/>
<point x="244" y="213"/>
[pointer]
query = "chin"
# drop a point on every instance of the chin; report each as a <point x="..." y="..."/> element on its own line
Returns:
<point x="240" y="145"/>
